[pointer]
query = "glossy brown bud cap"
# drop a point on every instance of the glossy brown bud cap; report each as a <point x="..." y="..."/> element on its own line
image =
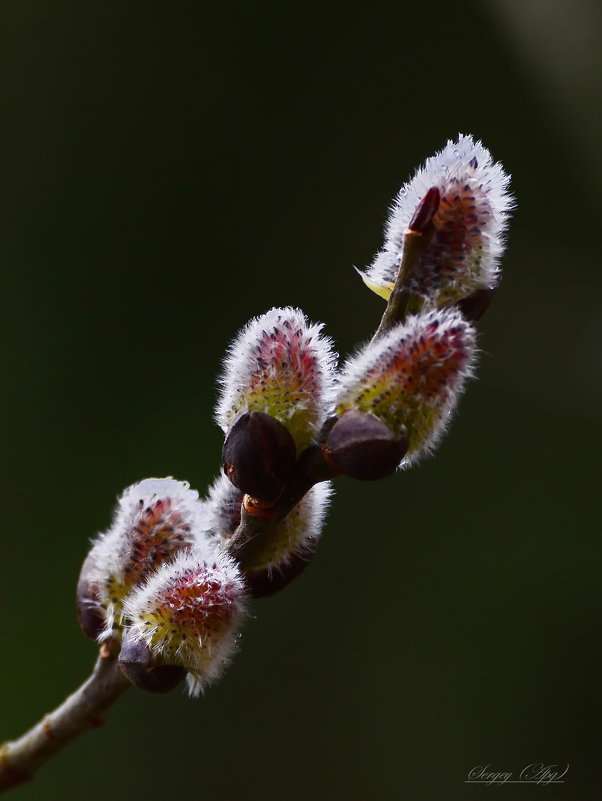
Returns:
<point x="259" y="455"/>
<point x="137" y="665"/>
<point x="362" y="446"/>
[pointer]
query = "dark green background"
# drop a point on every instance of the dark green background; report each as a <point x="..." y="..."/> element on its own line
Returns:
<point x="169" y="170"/>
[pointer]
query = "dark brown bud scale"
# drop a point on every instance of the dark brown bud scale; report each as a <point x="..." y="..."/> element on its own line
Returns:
<point x="474" y="306"/>
<point x="265" y="583"/>
<point x="259" y="455"/>
<point x="137" y="665"/>
<point x="363" y="447"/>
<point x="91" y="615"/>
<point x="425" y="211"/>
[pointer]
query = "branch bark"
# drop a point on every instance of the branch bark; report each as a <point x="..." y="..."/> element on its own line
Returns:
<point x="83" y="710"/>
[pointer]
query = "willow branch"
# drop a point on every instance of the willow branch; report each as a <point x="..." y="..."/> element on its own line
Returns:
<point x="83" y="710"/>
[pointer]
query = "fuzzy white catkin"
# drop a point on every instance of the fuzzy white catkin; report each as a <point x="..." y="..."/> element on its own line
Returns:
<point x="153" y="520"/>
<point x="412" y="377"/>
<point x="282" y="365"/>
<point x="474" y="212"/>
<point x="189" y="611"/>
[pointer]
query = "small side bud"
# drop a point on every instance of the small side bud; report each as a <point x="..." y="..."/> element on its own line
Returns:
<point x="137" y="665"/>
<point x="411" y="378"/>
<point x="362" y="446"/>
<point x="153" y="521"/>
<point x="259" y="455"/>
<point x="463" y="196"/>
<point x="282" y="365"/>
<point x="187" y="615"/>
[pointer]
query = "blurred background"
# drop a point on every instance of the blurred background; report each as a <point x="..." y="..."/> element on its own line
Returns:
<point x="168" y="171"/>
